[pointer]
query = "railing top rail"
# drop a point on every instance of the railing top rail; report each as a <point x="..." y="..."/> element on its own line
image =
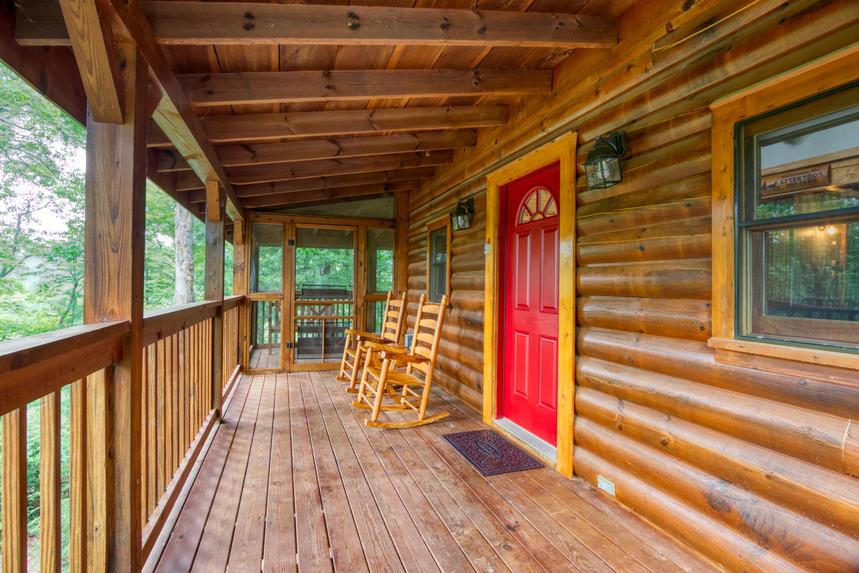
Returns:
<point x="165" y="322"/>
<point x="232" y="301"/>
<point x="36" y="366"/>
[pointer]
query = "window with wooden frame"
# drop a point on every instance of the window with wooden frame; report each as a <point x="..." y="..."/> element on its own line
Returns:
<point x="786" y="216"/>
<point x="438" y="258"/>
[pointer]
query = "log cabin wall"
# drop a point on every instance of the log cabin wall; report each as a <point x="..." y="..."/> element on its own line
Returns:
<point x="747" y="461"/>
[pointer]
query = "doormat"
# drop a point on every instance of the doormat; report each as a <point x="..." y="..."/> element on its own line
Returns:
<point x="490" y="453"/>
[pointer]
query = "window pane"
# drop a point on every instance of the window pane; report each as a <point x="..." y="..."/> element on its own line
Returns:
<point x="380" y="260"/>
<point x="437" y="264"/>
<point x="810" y="167"/>
<point x="813" y="272"/>
<point x="267" y="258"/>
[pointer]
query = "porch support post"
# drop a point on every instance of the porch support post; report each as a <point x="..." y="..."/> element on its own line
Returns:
<point x="214" y="282"/>
<point x="401" y="254"/>
<point x="240" y="285"/>
<point x="113" y="290"/>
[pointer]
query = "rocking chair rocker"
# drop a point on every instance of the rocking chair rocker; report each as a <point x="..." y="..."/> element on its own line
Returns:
<point x="393" y="326"/>
<point x="387" y="387"/>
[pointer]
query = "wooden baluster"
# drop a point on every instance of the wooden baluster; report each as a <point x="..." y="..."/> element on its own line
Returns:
<point x="151" y="430"/>
<point x="49" y="484"/>
<point x="14" y="506"/>
<point x="168" y="409"/>
<point x="160" y="425"/>
<point x="78" y="478"/>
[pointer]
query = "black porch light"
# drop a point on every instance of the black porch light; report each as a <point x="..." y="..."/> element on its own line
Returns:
<point x="462" y="214"/>
<point x="603" y="164"/>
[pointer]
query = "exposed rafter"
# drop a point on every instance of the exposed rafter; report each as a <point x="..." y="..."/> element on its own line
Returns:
<point x="93" y="42"/>
<point x="338" y="194"/>
<point x="318" y="183"/>
<point x="339" y="148"/>
<point x="325" y="167"/>
<point x="206" y="23"/>
<point x="305" y="124"/>
<point x="173" y="113"/>
<point x="302" y="86"/>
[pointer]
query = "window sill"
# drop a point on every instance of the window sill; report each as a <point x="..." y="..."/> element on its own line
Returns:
<point x="793" y="353"/>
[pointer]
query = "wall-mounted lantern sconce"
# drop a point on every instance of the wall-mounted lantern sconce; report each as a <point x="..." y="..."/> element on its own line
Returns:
<point x="603" y="164"/>
<point x="462" y="214"/>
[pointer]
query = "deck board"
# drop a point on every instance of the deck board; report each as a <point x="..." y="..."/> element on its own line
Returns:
<point x="294" y="481"/>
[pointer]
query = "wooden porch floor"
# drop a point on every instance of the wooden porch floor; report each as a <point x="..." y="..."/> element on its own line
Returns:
<point x="295" y="481"/>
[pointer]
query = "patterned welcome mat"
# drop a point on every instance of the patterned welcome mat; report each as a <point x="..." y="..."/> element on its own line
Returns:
<point x="490" y="453"/>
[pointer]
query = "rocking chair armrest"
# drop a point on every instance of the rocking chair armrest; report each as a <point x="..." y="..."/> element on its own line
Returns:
<point x="361" y="333"/>
<point x="387" y="348"/>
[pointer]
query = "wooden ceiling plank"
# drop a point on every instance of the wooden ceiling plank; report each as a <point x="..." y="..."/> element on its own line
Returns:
<point x="231" y="23"/>
<point x="93" y="44"/>
<point x="305" y="124"/>
<point x="205" y="90"/>
<point x="174" y="114"/>
<point x="315" y="149"/>
<point x="326" y="167"/>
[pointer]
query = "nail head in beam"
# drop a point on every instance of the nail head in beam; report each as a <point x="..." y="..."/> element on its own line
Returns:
<point x="206" y="90"/>
<point x="230" y="23"/>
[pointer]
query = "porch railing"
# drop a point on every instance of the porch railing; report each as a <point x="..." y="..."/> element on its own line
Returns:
<point x="177" y="418"/>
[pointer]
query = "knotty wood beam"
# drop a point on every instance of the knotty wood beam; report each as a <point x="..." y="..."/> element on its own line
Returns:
<point x="312" y="169"/>
<point x="229" y="23"/>
<point x="336" y="85"/>
<point x="314" y="149"/>
<point x="93" y="45"/>
<point x="337" y="194"/>
<point x="113" y="290"/>
<point x="304" y="124"/>
<point x="173" y="113"/>
<point x="280" y="187"/>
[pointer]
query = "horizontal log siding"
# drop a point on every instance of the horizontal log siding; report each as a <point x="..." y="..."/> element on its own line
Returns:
<point x="728" y="457"/>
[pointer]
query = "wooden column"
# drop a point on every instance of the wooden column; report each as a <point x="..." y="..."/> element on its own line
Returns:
<point x="240" y="284"/>
<point x="401" y="245"/>
<point x="113" y="290"/>
<point x="214" y="281"/>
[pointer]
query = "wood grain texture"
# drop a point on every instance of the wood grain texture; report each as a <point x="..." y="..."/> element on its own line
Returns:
<point x="14" y="501"/>
<point x="302" y="124"/>
<point x="191" y="23"/>
<point x="92" y="41"/>
<point x="291" y="87"/>
<point x="342" y="494"/>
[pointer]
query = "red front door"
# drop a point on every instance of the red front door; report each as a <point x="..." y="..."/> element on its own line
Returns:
<point x="528" y="357"/>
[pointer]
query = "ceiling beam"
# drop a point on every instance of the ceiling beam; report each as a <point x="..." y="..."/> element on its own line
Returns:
<point x="173" y="114"/>
<point x="206" y="90"/>
<point x="340" y="193"/>
<point x="305" y="124"/>
<point x="327" y="167"/>
<point x="341" y="147"/>
<point x="318" y="183"/>
<point x="230" y="23"/>
<point x="93" y="44"/>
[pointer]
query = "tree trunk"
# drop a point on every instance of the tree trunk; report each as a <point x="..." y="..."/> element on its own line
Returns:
<point x="183" y="242"/>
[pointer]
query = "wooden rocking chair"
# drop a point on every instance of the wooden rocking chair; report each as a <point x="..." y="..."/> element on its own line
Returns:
<point x="403" y="390"/>
<point x="393" y="325"/>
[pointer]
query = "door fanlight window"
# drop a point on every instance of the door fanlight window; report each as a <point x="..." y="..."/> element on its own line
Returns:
<point x="537" y="205"/>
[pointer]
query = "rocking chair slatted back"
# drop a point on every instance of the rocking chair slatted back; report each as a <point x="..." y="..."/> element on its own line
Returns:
<point x="393" y="325"/>
<point x="382" y="380"/>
